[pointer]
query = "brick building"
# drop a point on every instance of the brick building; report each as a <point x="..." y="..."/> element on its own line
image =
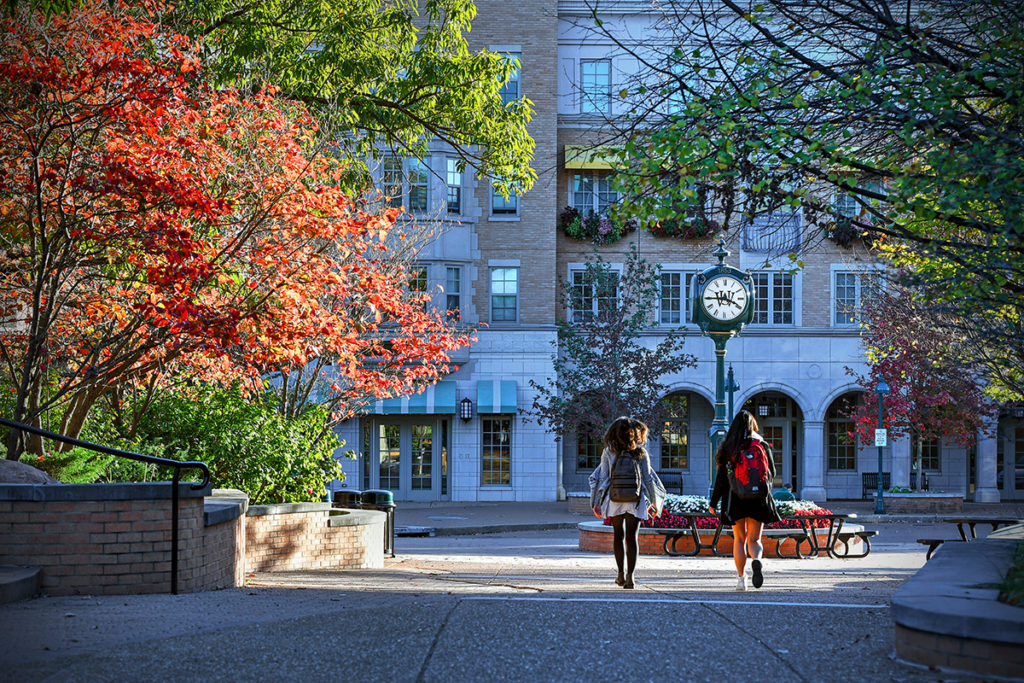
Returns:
<point x="500" y="262"/>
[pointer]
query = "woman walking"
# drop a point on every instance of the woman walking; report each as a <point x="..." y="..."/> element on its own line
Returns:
<point x="746" y="515"/>
<point x="626" y="488"/>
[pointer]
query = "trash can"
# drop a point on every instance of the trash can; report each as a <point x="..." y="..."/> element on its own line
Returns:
<point x="379" y="499"/>
<point x="347" y="498"/>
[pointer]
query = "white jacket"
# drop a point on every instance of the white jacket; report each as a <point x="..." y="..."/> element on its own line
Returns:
<point x="652" y="491"/>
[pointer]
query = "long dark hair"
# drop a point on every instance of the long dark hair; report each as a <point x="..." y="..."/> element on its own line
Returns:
<point x="740" y="431"/>
<point x="625" y="434"/>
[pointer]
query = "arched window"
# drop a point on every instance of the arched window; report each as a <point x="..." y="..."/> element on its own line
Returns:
<point x="840" y="433"/>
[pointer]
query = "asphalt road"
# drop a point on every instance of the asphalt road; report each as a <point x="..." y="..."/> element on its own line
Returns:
<point x="525" y="606"/>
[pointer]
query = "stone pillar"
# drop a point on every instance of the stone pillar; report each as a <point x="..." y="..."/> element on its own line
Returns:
<point x="812" y="484"/>
<point x="985" y="464"/>
<point x="901" y="459"/>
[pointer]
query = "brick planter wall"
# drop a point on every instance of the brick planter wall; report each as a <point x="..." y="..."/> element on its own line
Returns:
<point x="103" y="539"/>
<point x="115" y="539"/>
<point x="299" y="536"/>
<point x="937" y="650"/>
<point x="923" y="503"/>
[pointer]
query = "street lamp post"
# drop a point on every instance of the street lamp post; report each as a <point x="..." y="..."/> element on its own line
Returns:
<point x="731" y="386"/>
<point x="882" y="390"/>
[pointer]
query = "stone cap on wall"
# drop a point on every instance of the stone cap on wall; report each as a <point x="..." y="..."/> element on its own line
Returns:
<point x="153" y="490"/>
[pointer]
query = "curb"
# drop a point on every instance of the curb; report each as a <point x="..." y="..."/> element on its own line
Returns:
<point x="19" y="583"/>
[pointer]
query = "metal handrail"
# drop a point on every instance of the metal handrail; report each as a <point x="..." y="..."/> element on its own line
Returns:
<point x="177" y="465"/>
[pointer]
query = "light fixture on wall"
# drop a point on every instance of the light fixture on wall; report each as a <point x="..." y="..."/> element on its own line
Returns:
<point x="465" y="410"/>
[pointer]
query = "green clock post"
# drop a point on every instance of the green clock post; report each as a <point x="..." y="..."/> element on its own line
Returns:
<point x="723" y="302"/>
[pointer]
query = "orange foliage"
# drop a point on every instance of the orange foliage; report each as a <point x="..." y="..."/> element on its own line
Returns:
<point x="149" y="223"/>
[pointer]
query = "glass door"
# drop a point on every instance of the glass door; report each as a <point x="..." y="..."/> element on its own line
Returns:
<point x="405" y="452"/>
<point x="777" y="435"/>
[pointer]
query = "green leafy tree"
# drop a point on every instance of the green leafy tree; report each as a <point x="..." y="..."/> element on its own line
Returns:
<point x="378" y="73"/>
<point x="247" y="444"/>
<point x="912" y="111"/>
<point x="602" y="367"/>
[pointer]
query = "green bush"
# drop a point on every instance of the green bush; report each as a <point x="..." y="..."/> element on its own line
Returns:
<point x="246" y="443"/>
<point x="76" y="466"/>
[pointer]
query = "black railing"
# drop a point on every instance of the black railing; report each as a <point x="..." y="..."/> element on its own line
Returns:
<point x="177" y="465"/>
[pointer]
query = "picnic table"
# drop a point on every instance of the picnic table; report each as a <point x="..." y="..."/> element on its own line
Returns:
<point x="837" y="542"/>
<point x="970" y="523"/>
<point x="690" y="531"/>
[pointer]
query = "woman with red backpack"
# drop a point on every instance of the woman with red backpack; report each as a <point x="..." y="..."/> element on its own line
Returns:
<point x="626" y="488"/>
<point x="743" y="484"/>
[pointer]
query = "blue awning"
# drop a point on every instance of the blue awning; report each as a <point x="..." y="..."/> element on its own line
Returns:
<point x="438" y="399"/>
<point x="496" y="396"/>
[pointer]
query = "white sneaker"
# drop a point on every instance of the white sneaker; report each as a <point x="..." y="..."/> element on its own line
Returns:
<point x="741" y="583"/>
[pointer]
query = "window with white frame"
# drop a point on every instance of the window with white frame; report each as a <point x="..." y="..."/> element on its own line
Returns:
<point x="675" y="433"/>
<point x="930" y="450"/>
<point x="773" y="298"/>
<point x="504" y="294"/>
<point x="510" y="90"/>
<point x="674" y="308"/>
<point x="592" y="192"/>
<point x="588" y="452"/>
<point x="453" y="291"/>
<point x="418" y="283"/>
<point x="840" y="434"/>
<point x="496" y="452"/>
<point x="595" y="86"/>
<point x="852" y="291"/>
<point x="453" y="177"/>
<point x="504" y="206"/>
<point x="594" y="295"/>
<point x="851" y="204"/>
<point x="774" y="234"/>
<point x="405" y="183"/>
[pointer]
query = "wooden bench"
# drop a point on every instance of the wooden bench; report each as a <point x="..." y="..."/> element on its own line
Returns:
<point x="672" y="479"/>
<point x="869" y="483"/>
<point x="934" y="543"/>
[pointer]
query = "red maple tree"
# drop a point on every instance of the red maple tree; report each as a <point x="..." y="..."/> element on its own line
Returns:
<point x="934" y="390"/>
<point x="151" y="226"/>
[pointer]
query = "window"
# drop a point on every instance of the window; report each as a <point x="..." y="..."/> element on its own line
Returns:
<point x="594" y="295"/>
<point x="389" y="452"/>
<point x="775" y="233"/>
<point x="596" y="86"/>
<point x="588" y="452"/>
<point x="453" y="178"/>
<point x="391" y="180"/>
<point x="453" y="291"/>
<point x="675" y="298"/>
<point x="496" y="457"/>
<point x="418" y="283"/>
<point x="593" y="193"/>
<point x="500" y="206"/>
<point x="929" y="454"/>
<point x="849" y="205"/>
<point x="405" y="183"/>
<point x="842" y="444"/>
<point x="510" y="90"/>
<point x="773" y="299"/>
<point x="419" y="181"/>
<point x="675" y="433"/>
<point x="504" y="294"/>
<point x="853" y="290"/>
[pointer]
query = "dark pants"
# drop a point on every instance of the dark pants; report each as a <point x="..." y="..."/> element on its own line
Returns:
<point x="625" y="541"/>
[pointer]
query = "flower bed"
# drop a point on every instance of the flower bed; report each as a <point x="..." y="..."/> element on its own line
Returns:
<point x="676" y="506"/>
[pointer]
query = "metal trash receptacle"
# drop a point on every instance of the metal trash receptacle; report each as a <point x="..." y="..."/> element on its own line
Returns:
<point x="347" y="498"/>
<point x="379" y="499"/>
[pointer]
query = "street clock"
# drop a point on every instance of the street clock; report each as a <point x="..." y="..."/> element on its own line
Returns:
<point x="723" y="297"/>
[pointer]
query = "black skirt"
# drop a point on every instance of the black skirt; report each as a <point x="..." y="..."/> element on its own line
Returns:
<point x="735" y="509"/>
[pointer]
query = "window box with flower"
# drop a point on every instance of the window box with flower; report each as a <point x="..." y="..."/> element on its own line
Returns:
<point x="594" y="227"/>
<point x="684" y="228"/>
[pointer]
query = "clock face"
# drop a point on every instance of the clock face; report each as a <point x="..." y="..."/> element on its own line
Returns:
<point x="724" y="298"/>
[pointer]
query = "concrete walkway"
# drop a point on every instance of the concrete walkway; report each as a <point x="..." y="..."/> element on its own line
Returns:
<point x="517" y="605"/>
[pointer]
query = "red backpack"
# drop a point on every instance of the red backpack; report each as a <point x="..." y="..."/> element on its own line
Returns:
<point x="750" y="472"/>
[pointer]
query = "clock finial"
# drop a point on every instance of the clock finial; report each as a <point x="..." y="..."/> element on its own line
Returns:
<point x="722" y="252"/>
